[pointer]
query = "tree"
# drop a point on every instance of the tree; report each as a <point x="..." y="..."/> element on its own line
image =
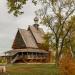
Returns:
<point x="71" y="36"/>
<point x="15" y="6"/>
<point x="67" y="64"/>
<point x="57" y="16"/>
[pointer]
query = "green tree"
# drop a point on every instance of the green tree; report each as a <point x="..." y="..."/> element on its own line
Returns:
<point x="57" y="15"/>
<point x="15" y="6"/>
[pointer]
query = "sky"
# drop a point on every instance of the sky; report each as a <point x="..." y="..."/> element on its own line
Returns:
<point x="10" y="24"/>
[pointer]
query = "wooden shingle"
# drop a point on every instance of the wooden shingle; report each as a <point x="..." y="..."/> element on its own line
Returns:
<point x="28" y="38"/>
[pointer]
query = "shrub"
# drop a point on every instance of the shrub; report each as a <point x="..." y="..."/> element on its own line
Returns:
<point x="67" y="65"/>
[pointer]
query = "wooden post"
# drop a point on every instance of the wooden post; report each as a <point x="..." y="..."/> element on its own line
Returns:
<point x="36" y="57"/>
<point x="32" y="56"/>
<point x="22" y="54"/>
<point x="27" y="55"/>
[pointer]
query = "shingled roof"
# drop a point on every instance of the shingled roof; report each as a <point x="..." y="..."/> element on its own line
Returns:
<point x="13" y="52"/>
<point x="37" y="33"/>
<point x="28" y="38"/>
<point x="31" y="37"/>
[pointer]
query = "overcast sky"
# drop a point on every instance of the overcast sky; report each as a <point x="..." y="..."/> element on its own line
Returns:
<point x="10" y="24"/>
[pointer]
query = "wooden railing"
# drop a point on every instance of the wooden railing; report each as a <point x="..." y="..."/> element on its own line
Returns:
<point x="28" y="56"/>
<point x="35" y="57"/>
<point x="15" y="58"/>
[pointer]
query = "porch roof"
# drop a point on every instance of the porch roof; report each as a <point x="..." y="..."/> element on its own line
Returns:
<point x="13" y="52"/>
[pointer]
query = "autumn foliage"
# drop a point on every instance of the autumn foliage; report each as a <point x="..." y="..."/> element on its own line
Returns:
<point x="67" y="65"/>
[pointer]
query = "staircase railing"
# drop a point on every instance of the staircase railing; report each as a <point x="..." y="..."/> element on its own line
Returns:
<point x="15" y="58"/>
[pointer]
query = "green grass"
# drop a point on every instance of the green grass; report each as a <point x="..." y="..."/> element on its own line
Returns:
<point x="31" y="69"/>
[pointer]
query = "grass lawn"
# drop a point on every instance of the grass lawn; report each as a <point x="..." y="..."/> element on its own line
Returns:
<point x="31" y="69"/>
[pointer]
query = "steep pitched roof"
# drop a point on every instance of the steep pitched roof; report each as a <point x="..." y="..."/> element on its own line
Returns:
<point x="18" y="41"/>
<point x="37" y="33"/>
<point x="13" y="52"/>
<point x="28" y="38"/>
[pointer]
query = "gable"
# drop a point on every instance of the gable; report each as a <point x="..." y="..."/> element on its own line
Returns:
<point x="28" y="38"/>
<point x="38" y="34"/>
<point x="18" y="42"/>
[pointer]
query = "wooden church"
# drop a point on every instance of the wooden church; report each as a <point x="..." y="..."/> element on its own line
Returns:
<point x="27" y="46"/>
